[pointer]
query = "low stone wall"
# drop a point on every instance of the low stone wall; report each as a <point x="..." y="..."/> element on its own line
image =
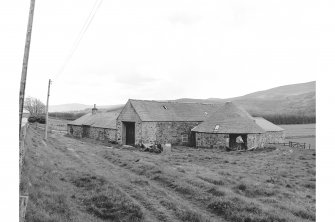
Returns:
<point x="211" y="140"/>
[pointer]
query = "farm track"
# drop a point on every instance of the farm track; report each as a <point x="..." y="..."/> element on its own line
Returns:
<point x="146" y="192"/>
<point x="175" y="187"/>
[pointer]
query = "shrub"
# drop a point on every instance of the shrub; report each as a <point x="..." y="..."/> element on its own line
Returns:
<point x="32" y="119"/>
<point x="41" y="119"/>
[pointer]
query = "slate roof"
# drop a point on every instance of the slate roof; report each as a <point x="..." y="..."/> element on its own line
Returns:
<point x="229" y="119"/>
<point x="267" y="125"/>
<point x="102" y="120"/>
<point x="172" y="111"/>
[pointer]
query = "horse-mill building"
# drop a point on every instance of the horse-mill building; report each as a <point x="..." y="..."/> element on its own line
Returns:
<point x="191" y="124"/>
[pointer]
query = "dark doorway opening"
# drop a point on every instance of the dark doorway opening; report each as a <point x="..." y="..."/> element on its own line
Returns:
<point x="192" y="142"/>
<point x="232" y="141"/>
<point x="86" y="131"/>
<point x="130" y="132"/>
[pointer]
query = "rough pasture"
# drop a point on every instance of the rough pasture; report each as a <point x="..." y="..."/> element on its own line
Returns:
<point x="78" y="180"/>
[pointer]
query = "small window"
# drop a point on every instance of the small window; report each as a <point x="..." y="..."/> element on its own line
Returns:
<point x="164" y="107"/>
<point x="216" y="128"/>
<point x="184" y="138"/>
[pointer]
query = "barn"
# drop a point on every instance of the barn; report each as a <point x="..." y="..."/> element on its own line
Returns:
<point x="154" y="122"/>
<point x="95" y="125"/>
<point x="229" y="122"/>
<point x="190" y="124"/>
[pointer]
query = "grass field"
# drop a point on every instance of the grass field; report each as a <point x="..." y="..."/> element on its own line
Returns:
<point x="302" y="133"/>
<point x="77" y="180"/>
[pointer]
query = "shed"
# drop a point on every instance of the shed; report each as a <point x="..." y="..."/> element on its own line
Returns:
<point x="95" y="125"/>
<point x="227" y="124"/>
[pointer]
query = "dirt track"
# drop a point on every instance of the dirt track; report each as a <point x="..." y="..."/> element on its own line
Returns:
<point x="146" y="187"/>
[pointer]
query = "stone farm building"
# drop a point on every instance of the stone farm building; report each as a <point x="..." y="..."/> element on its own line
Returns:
<point x="95" y="125"/>
<point x="191" y="124"/>
<point x="229" y="122"/>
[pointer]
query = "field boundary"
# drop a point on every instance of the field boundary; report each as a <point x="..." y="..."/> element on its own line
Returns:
<point x="295" y="145"/>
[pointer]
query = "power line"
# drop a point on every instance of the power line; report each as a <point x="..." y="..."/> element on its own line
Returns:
<point x="81" y="34"/>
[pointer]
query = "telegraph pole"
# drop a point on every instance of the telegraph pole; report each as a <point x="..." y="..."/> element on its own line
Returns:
<point x="25" y="62"/>
<point x="46" y="112"/>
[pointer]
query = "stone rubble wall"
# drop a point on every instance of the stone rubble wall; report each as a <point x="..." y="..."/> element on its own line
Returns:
<point x="275" y="137"/>
<point x="76" y="131"/>
<point x="149" y="130"/>
<point x="172" y="132"/>
<point x="211" y="140"/>
<point x="94" y="133"/>
<point x="102" y="134"/>
<point x="256" y="140"/>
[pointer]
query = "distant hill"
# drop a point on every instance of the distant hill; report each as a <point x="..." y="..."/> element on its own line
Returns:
<point x="296" y="99"/>
<point x="76" y="107"/>
<point x="290" y="99"/>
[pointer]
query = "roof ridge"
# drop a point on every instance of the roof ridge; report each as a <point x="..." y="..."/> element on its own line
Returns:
<point x="173" y="101"/>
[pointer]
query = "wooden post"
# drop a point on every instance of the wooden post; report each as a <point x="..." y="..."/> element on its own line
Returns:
<point x="46" y="112"/>
<point x="25" y="63"/>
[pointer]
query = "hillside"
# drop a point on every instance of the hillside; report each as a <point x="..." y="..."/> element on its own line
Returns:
<point x="290" y="99"/>
<point x="295" y="99"/>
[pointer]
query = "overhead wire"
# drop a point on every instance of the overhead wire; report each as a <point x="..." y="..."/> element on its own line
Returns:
<point x="80" y="36"/>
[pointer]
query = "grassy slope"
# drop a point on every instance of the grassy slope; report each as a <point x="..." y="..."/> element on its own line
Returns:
<point x="74" y="180"/>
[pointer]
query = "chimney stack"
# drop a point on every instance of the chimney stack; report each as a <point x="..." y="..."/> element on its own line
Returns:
<point x="94" y="110"/>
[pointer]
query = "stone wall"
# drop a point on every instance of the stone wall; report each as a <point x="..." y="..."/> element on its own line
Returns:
<point x="102" y="134"/>
<point x="111" y="135"/>
<point x="149" y="130"/>
<point x="212" y="140"/>
<point x="256" y="140"/>
<point x="275" y="137"/>
<point x="128" y="114"/>
<point x="172" y="132"/>
<point x="94" y="132"/>
<point x="76" y="131"/>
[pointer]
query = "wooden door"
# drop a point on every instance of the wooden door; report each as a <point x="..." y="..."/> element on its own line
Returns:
<point x="130" y="133"/>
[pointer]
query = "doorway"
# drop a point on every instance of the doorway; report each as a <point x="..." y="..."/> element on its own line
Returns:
<point x="130" y="132"/>
<point x="232" y="141"/>
<point x="86" y="131"/>
<point x="192" y="141"/>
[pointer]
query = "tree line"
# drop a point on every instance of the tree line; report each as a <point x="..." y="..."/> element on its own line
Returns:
<point x="67" y="115"/>
<point x="289" y="118"/>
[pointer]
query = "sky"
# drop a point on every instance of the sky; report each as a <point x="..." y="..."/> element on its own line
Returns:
<point x="167" y="50"/>
<point x="159" y="50"/>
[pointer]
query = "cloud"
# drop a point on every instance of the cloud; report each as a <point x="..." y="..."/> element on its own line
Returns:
<point x="184" y="19"/>
<point x="134" y="79"/>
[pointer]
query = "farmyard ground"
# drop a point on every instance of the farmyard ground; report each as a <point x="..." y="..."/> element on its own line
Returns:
<point x="77" y="180"/>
